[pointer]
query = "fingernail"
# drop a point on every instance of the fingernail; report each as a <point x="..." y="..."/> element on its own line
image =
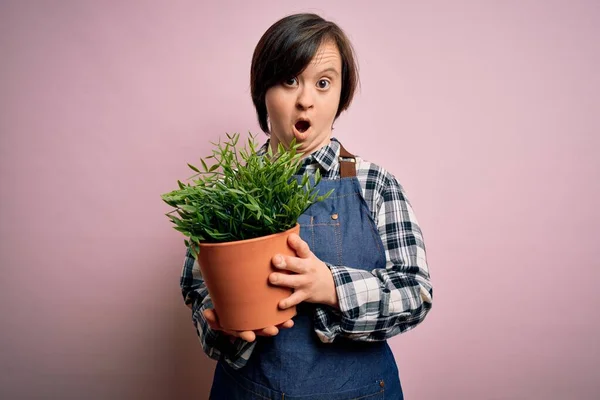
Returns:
<point x="273" y="278"/>
<point x="278" y="261"/>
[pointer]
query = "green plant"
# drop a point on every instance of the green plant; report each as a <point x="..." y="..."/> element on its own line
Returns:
<point x="243" y="194"/>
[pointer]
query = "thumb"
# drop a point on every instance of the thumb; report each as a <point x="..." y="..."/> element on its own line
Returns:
<point x="300" y="246"/>
<point x="211" y="318"/>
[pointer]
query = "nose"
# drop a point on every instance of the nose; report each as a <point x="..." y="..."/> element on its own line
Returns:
<point x="305" y="100"/>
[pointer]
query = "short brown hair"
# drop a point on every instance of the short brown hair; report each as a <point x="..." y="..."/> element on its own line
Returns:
<point x="285" y="50"/>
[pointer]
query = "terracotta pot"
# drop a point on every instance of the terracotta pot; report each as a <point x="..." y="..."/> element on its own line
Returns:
<point x="236" y="275"/>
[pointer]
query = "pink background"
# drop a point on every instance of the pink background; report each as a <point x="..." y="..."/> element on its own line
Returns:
<point x="486" y="111"/>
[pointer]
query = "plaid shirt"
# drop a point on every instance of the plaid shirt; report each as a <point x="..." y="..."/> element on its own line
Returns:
<point x="374" y="305"/>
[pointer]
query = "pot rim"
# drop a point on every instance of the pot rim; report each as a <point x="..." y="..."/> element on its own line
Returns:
<point x="256" y="239"/>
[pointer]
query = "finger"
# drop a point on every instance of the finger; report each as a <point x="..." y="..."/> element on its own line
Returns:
<point x="268" y="331"/>
<point x="233" y="334"/>
<point x="296" y="298"/>
<point x="299" y="245"/>
<point x="287" y="324"/>
<point x="292" y="264"/>
<point x="211" y="318"/>
<point x="287" y="280"/>
<point x="210" y="315"/>
<point x="248" y="336"/>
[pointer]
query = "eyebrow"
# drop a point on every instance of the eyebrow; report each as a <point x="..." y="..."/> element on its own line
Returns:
<point x="330" y="69"/>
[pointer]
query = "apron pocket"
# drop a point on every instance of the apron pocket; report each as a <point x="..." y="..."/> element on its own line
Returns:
<point x="323" y="235"/>
<point x="373" y="391"/>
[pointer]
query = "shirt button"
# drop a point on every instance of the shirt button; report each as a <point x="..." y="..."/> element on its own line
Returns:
<point x="334" y="216"/>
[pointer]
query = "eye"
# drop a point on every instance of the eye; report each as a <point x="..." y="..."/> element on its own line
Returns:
<point x="290" y="82"/>
<point x="323" y="84"/>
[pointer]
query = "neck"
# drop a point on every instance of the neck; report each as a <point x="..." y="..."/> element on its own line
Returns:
<point x="306" y="151"/>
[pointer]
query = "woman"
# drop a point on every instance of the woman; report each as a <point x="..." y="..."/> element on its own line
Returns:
<point x="360" y="274"/>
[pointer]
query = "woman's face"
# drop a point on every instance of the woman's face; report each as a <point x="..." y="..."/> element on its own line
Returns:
<point x="304" y="107"/>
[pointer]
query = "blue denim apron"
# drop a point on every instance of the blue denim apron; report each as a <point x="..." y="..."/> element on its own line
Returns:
<point x="295" y="364"/>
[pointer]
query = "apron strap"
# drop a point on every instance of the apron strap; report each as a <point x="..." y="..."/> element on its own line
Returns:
<point x="347" y="163"/>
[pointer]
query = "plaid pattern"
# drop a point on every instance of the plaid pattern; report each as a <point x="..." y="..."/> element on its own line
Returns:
<point x="374" y="305"/>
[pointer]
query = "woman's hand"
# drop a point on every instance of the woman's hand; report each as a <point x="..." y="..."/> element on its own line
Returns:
<point x="248" y="336"/>
<point x="310" y="278"/>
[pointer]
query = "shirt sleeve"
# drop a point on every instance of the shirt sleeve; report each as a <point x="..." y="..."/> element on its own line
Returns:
<point x="376" y="305"/>
<point x="215" y="344"/>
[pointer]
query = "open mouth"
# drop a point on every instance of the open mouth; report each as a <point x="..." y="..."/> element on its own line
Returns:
<point x="302" y="126"/>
